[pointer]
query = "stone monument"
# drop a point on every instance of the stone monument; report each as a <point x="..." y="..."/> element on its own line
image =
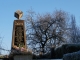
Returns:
<point x="19" y="46"/>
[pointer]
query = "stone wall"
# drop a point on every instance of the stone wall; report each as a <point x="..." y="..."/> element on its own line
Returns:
<point x="47" y="59"/>
<point x="22" y="57"/>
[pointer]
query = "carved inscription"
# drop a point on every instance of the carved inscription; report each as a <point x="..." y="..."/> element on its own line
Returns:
<point x="19" y="36"/>
<point x="18" y="23"/>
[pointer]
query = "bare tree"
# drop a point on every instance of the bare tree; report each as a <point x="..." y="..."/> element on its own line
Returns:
<point x="75" y="31"/>
<point x="46" y="31"/>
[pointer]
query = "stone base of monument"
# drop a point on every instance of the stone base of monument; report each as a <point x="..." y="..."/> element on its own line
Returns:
<point x="22" y="57"/>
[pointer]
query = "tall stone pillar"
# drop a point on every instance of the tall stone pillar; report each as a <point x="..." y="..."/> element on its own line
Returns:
<point x="19" y="34"/>
<point x="19" y="46"/>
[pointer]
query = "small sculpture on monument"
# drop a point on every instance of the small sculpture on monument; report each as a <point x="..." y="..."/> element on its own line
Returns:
<point x="18" y="14"/>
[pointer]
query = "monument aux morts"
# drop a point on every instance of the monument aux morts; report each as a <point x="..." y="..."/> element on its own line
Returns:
<point x="18" y="34"/>
<point x="19" y="49"/>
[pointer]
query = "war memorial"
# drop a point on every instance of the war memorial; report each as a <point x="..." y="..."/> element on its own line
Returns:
<point x="19" y="49"/>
